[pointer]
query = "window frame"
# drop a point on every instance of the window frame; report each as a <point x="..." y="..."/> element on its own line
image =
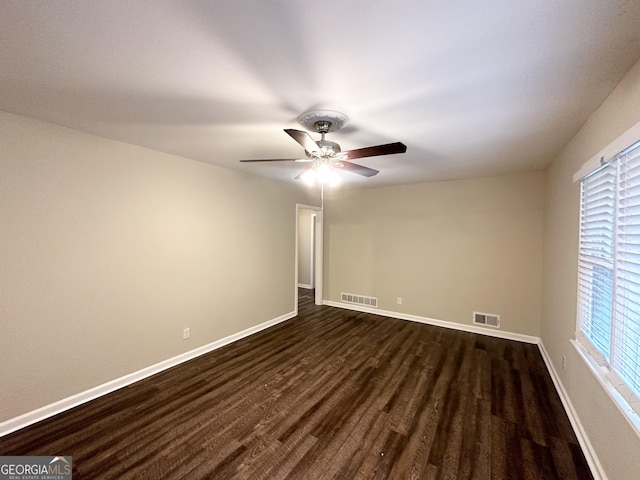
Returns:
<point x="624" y="398"/>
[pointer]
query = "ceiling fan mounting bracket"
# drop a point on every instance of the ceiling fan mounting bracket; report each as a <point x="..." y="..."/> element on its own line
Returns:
<point x="323" y="121"/>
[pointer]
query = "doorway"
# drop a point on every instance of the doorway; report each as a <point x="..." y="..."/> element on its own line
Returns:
<point x="309" y="250"/>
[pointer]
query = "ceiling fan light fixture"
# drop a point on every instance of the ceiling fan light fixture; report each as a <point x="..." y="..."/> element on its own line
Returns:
<point x="309" y="177"/>
<point x="323" y="172"/>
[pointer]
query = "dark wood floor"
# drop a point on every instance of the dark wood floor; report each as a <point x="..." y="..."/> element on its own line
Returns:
<point x="331" y="394"/>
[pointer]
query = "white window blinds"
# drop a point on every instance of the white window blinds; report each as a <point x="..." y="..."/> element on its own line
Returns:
<point x="595" y="265"/>
<point x="609" y="271"/>
<point x="625" y="355"/>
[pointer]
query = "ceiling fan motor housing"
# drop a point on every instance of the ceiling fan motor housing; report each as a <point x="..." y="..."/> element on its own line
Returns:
<point x="328" y="147"/>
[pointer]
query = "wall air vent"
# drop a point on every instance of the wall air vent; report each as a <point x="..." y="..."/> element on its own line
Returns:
<point x="486" y="319"/>
<point x="359" y="300"/>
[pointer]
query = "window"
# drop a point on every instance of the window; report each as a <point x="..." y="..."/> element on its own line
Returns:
<point x="609" y="274"/>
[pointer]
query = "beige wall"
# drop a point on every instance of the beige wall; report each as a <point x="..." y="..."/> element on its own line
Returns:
<point x="109" y="250"/>
<point x="617" y="446"/>
<point x="446" y="248"/>
<point x="304" y="246"/>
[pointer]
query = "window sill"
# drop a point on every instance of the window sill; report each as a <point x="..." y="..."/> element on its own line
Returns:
<point x="625" y="407"/>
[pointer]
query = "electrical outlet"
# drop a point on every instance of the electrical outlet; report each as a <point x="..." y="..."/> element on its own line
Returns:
<point x="186" y="333"/>
<point x="564" y="362"/>
<point x="399" y="300"/>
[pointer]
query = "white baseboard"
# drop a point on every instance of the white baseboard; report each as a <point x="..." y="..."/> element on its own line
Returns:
<point x="52" y="409"/>
<point x="587" y="448"/>
<point x="438" y="323"/>
<point x="305" y="285"/>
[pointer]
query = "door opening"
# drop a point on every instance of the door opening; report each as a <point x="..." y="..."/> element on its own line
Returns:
<point x="308" y="255"/>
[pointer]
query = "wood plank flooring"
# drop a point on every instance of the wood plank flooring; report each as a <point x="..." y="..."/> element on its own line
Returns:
<point x="331" y="394"/>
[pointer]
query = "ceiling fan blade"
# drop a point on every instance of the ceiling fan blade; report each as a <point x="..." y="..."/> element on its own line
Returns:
<point x="359" y="169"/>
<point x="386" y="149"/>
<point x="304" y="139"/>
<point x="276" y="160"/>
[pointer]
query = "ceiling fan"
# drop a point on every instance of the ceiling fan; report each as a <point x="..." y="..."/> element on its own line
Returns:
<point x="326" y="157"/>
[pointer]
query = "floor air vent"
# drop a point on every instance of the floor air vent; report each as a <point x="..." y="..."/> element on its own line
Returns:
<point x="359" y="300"/>
<point x="486" y="319"/>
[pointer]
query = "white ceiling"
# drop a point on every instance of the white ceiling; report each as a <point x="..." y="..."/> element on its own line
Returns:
<point x="472" y="88"/>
